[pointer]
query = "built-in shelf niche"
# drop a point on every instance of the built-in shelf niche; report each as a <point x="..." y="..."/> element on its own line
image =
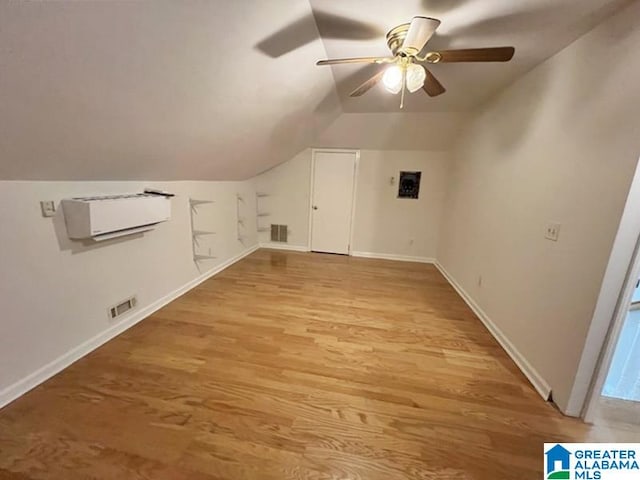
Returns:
<point x="196" y="233"/>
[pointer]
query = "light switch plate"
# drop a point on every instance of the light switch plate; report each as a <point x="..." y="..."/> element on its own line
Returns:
<point x="552" y="231"/>
<point x="48" y="208"/>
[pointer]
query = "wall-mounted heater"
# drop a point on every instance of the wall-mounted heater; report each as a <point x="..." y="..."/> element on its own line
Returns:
<point x="110" y="216"/>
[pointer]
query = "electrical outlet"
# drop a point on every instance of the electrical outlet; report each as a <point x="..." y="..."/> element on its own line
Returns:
<point x="552" y="231"/>
<point x="48" y="208"/>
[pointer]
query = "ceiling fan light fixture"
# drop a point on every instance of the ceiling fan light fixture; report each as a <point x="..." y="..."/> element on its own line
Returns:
<point x="393" y="79"/>
<point x="416" y="75"/>
<point x="405" y="72"/>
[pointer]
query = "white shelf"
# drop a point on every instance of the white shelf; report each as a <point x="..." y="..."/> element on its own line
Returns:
<point x="239" y="219"/>
<point x="260" y="214"/>
<point x="198" y="257"/>
<point x="195" y="233"/>
<point x="195" y="203"/>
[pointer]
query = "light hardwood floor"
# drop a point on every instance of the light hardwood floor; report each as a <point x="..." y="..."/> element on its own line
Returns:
<point x="619" y="418"/>
<point x="292" y="366"/>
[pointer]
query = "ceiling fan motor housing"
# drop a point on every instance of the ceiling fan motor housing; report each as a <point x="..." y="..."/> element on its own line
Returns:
<point x="396" y="36"/>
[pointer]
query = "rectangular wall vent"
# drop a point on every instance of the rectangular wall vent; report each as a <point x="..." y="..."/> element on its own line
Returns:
<point x="122" y="307"/>
<point x="279" y="233"/>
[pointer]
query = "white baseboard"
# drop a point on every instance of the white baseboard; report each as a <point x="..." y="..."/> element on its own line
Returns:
<point x="284" y="246"/>
<point x="392" y="256"/>
<point x="34" y="379"/>
<point x="384" y="256"/>
<point x="527" y="369"/>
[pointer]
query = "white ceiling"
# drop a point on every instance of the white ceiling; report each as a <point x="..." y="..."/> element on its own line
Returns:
<point x="537" y="28"/>
<point x="218" y="89"/>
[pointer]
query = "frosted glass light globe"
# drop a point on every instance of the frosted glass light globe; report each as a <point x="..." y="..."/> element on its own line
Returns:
<point x="392" y="79"/>
<point x="416" y="76"/>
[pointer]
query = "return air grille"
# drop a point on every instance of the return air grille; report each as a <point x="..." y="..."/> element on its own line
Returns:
<point x="278" y="233"/>
<point x="122" y="307"/>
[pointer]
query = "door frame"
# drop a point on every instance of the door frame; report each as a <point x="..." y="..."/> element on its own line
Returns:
<point x="354" y="194"/>
<point x="611" y="309"/>
<point x="611" y="342"/>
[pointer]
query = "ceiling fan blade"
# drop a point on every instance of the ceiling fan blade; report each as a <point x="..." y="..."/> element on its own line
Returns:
<point x="368" y="85"/>
<point x="497" y="54"/>
<point x="420" y="32"/>
<point x="338" y="61"/>
<point x="432" y="86"/>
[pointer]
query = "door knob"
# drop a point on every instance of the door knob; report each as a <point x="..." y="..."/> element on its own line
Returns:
<point x="315" y="208"/>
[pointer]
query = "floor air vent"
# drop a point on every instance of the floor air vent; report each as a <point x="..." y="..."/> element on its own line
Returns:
<point x="278" y="233"/>
<point x="122" y="307"/>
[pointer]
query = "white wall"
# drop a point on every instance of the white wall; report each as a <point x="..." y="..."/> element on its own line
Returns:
<point x="383" y="224"/>
<point x="55" y="292"/>
<point x="288" y="202"/>
<point x="561" y="144"/>
<point x="386" y="224"/>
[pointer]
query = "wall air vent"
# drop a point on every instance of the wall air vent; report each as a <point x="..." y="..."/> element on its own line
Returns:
<point x="279" y="233"/>
<point x="122" y="307"/>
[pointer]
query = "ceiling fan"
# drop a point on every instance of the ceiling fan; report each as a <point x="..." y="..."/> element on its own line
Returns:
<point x="406" y="70"/>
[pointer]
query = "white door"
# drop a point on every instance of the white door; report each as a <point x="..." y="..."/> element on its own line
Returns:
<point x="332" y="201"/>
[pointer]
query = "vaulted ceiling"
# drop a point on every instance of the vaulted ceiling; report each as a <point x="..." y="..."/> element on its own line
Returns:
<point x="195" y="89"/>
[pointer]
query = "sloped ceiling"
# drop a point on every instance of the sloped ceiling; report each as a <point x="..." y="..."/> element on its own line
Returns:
<point x="222" y="90"/>
<point x="157" y="89"/>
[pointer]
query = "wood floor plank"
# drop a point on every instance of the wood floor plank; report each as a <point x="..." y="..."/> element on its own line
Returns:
<point x="292" y="366"/>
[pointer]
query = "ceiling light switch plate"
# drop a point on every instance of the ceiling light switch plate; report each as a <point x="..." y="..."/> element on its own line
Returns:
<point x="48" y="208"/>
<point x="552" y="231"/>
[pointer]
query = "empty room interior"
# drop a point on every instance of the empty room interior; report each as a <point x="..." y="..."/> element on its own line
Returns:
<point x="317" y="239"/>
